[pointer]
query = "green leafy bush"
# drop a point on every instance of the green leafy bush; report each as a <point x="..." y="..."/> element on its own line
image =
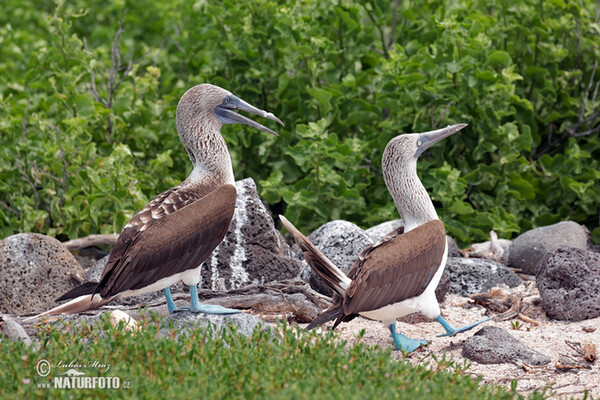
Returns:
<point x="88" y="94"/>
<point x="204" y="363"/>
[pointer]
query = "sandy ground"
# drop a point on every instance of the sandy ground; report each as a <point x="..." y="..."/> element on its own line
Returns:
<point x="548" y="338"/>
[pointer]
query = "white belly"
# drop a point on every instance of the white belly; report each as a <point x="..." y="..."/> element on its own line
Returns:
<point x="189" y="277"/>
<point x="426" y="302"/>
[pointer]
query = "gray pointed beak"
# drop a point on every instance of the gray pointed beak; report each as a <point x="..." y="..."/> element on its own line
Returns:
<point x="428" y="139"/>
<point x="227" y="115"/>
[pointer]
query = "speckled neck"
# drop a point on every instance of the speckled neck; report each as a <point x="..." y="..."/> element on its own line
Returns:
<point x="409" y="194"/>
<point x="200" y="133"/>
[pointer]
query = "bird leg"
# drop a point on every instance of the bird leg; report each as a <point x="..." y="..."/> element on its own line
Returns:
<point x="406" y="344"/>
<point x="450" y="331"/>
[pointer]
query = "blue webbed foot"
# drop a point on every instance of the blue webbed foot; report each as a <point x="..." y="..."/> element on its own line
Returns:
<point x="450" y="331"/>
<point x="406" y="344"/>
<point x="207" y="308"/>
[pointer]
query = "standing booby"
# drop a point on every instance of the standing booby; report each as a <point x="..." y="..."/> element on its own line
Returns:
<point x="169" y="239"/>
<point x="399" y="274"/>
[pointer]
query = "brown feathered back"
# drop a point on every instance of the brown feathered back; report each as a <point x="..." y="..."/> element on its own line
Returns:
<point x="389" y="272"/>
<point x="143" y="256"/>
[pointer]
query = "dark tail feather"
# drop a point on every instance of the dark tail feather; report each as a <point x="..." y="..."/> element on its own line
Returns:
<point x="84" y="288"/>
<point x="331" y="275"/>
<point x="335" y="312"/>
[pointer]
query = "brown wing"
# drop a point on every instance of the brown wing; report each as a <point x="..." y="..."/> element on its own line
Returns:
<point x="397" y="269"/>
<point x="175" y="240"/>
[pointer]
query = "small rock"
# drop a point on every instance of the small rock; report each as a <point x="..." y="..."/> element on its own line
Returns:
<point x="34" y="270"/>
<point x="378" y="231"/>
<point x="527" y="249"/>
<point x="477" y="275"/>
<point x="494" y="345"/>
<point x="253" y="251"/>
<point x="15" y="332"/>
<point x="569" y="283"/>
<point x="117" y="316"/>
<point x="341" y="242"/>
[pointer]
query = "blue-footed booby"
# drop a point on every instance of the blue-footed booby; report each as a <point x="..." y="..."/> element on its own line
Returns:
<point x="169" y="239"/>
<point x="397" y="275"/>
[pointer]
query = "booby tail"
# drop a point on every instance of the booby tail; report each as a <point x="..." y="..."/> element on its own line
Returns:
<point x="318" y="262"/>
<point x="82" y="298"/>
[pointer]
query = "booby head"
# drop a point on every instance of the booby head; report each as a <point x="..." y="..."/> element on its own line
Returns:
<point x="399" y="167"/>
<point x="405" y="149"/>
<point x="211" y="106"/>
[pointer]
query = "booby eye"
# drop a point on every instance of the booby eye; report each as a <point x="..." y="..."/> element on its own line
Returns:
<point x="226" y="100"/>
<point x="418" y="143"/>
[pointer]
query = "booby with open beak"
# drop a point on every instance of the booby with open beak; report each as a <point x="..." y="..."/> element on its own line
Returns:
<point x="169" y="239"/>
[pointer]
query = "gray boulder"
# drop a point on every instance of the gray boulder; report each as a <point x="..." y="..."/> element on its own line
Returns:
<point x="569" y="283"/>
<point x="526" y="250"/>
<point x="34" y="270"/>
<point x="476" y="275"/>
<point x="378" y="231"/>
<point x="341" y="242"/>
<point x="494" y="345"/>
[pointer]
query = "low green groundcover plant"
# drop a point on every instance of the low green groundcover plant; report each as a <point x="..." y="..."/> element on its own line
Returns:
<point x="209" y="364"/>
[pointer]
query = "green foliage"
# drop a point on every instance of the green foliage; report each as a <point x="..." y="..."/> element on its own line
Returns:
<point x="87" y="107"/>
<point x="228" y="365"/>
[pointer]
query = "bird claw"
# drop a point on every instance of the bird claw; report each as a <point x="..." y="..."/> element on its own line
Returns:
<point x="213" y="309"/>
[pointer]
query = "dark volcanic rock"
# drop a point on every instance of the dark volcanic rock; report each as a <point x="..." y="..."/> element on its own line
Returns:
<point x="341" y="242"/>
<point x="253" y="251"/>
<point x="569" y="283"/>
<point x="476" y="275"/>
<point x="34" y="270"/>
<point x="494" y="345"/>
<point x="527" y="249"/>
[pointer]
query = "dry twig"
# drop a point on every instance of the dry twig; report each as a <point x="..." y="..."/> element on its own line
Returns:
<point x="91" y="240"/>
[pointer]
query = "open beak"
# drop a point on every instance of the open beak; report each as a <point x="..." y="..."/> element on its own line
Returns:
<point x="428" y="139"/>
<point x="226" y="114"/>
